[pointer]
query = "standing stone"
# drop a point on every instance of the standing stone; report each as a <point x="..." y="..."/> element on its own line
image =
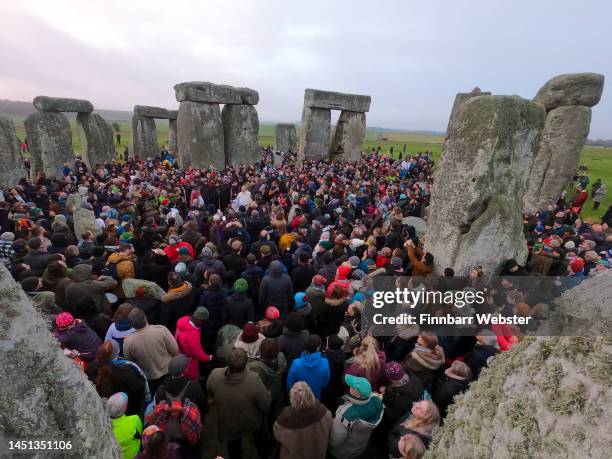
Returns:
<point x="348" y="138"/>
<point x="477" y="198"/>
<point x="96" y="137"/>
<point x="172" y="135"/>
<point x="62" y="104"/>
<point x="461" y="97"/>
<point x="50" y="397"/>
<point x="315" y="134"/>
<point x="564" y="136"/>
<point x="50" y="141"/>
<point x="285" y="136"/>
<point x="144" y="137"/>
<point x="12" y="165"/>
<point x="200" y="135"/>
<point x="241" y="134"/>
<point x="85" y="220"/>
<point x="75" y="201"/>
<point x="571" y="89"/>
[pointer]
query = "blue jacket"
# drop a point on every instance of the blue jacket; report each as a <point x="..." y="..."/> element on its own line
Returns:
<point x="312" y="369"/>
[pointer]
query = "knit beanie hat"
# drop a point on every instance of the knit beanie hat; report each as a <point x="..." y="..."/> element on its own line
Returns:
<point x="64" y="320"/>
<point x="241" y="286"/>
<point x="394" y="371"/>
<point x="319" y="280"/>
<point x="250" y="332"/>
<point x="272" y="313"/>
<point x="117" y="404"/>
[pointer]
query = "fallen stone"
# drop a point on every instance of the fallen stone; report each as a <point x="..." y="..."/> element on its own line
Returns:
<point x="50" y="142"/>
<point x="348" y="136"/>
<point x="571" y="89"/>
<point x="461" y="97"/>
<point x="200" y="135"/>
<point x="50" y="397"/>
<point x="154" y="112"/>
<point x="241" y="134"/>
<point x="533" y="400"/>
<point x="207" y="92"/>
<point x="475" y="215"/>
<point x="315" y="133"/>
<point x="315" y="98"/>
<point x="85" y="220"/>
<point x="172" y="136"/>
<point x="144" y="137"/>
<point x="153" y="290"/>
<point x="12" y="169"/>
<point x="285" y="136"/>
<point x="564" y="136"/>
<point x="96" y="137"/>
<point x="62" y="104"/>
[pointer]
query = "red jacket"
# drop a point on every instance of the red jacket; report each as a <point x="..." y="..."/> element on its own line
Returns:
<point x="187" y="336"/>
<point x="171" y="251"/>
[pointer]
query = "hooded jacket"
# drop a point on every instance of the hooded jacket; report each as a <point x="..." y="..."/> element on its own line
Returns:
<point x="276" y="288"/>
<point x="444" y="390"/>
<point x="312" y="369"/>
<point x="238" y="310"/>
<point x="187" y="336"/>
<point x="303" y="434"/>
<point x="177" y="303"/>
<point x="272" y="374"/>
<point x="125" y="270"/>
<point x="81" y="338"/>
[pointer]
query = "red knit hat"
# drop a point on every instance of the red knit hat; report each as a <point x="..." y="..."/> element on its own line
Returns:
<point x="319" y="280"/>
<point x="272" y="313"/>
<point x="577" y="265"/>
<point x="64" y="320"/>
<point x="250" y="332"/>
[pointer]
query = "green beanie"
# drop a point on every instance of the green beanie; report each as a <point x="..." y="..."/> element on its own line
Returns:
<point x="241" y="286"/>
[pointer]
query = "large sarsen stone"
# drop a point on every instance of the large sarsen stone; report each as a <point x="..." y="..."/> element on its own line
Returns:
<point x="144" y="137"/>
<point x="96" y="137"/>
<point x="62" y="104"/>
<point x="11" y="169"/>
<point x="348" y="137"/>
<point x="50" y="141"/>
<point x="241" y="134"/>
<point x="571" y="89"/>
<point x="285" y="137"/>
<point x="200" y="135"/>
<point x="315" y="133"/>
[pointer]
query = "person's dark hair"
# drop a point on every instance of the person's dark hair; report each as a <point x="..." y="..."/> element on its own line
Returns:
<point x="104" y="370"/>
<point x="214" y="280"/>
<point x="56" y="270"/>
<point x="122" y="312"/>
<point x="295" y="322"/>
<point x="156" y="446"/>
<point x="269" y="349"/>
<point x="98" y="251"/>
<point x="124" y="247"/>
<point x="328" y="257"/>
<point x="334" y="342"/>
<point x="86" y="308"/>
<point x="429" y="259"/>
<point x="251" y="258"/>
<point x="34" y="243"/>
<point x="237" y="360"/>
<point x="174" y="279"/>
<point x="313" y="344"/>
<point x="449" y="272"/>
<point x="304" y="257"/>
<point x="137" y="318"/>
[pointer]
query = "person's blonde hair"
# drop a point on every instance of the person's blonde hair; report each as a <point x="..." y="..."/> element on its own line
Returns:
<point x="367" y="357"/>
<point x="428" y="422"/>
<point x="412" y="447"/>
<point x="301" y="396"/>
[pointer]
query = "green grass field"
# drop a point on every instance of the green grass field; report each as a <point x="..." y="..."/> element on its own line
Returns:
<point x="598" y="159"/>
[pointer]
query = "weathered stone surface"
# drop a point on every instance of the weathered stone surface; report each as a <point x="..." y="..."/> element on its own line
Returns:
<point x="336" y="100"/>
<point x="12" y="168"/>
<point x="75" y="201"/>
<point x="172" y="135"/>
<point x="565" y="133"/>
<point x="200" y="135"/>
<point x="96" y="137"/>
<point x="49" y="396"/>
<point x="154" y="112"/>
<point x="347" y="143"/>
<point x="475" y="216"/>
<point x="144" y="137"/>
<point x="207" y="92"/>
<point x="315" y="133"/>
<point x="62" y="104"/>
<point x="285" y="136"/>
<point x="419" y="224"/>
<point x="50" y="141"/>
<point x="461" y="97"/>
<point x="130" y="286"/>
<point x="85" y="220"/>
<point x="534" y="399"/>
<point x="571" y="89"/>
<point x="241" y="134"/>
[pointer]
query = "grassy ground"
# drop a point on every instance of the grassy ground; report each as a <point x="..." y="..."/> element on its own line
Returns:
<point x="598" y="160"/>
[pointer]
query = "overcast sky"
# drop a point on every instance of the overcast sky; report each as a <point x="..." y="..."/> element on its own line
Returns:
<point x="410" y="56"/>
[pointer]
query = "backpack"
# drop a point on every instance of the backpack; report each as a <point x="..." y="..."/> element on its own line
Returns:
<point x="179" y="417"/>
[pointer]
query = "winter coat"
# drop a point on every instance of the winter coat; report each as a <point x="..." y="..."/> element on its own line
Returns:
<point x="303" y="434"/>
<point x="335" y="388"/>
<point x="251" y="349"/>
<point x="312" y="369"/>
<point x="187" y="337"/>
<point x="152" y="348"/>
<point x="444" y="389"/>
<point x="272" y="374"/>
<point x="425" y="364"/>
<point x="316" y="297"/>
<point x="173" y="386"/>
<point x="81" y="338"/>
<point x="205" y="263"/>
<point x="238" y="310"/>
<point x="329" y="316"/>
<point x="276" y="288"/>
<point x="356" y="369"/>
<point x="301" y="277"/>
<point x="480" y="357"/>
<point x="124" y="377"/>
<point x="292" y="344"/>
<point x="241" y="400"/>
<point x="353" y="424"/>
<point x="58" y="286"/>
<point x="212" y="299"/>
<point x="177" y="303"/>
<point x="117" y="332"/>
<point x="195" y="239"/>
<point x="125" y="270"/>
<point x="398" y="400"/>
<point x="234" y="265"/>
<point x="37" y="260"/>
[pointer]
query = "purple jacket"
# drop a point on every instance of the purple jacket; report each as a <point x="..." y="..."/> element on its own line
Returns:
<point x="80" y="338"/>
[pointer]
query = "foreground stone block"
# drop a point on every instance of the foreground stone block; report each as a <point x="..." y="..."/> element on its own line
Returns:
<point x="85" y="220"/>
<point x="285" y="136"/>
<point x="62" y="104"/>
<point x="348" y="137"/>
<point x="154" y="112"/>
<point x="461" y="97"/>
<point x="200" y="135"/>
<point x="96" y="137"/>
<point x="12" y="168"/>
<point x="571" y="89"/>
<point x="50" y="397"/>
<point x="336" y="100"/>
<point x="207" y="92"/>
<point x="315" y="133"/>
<point x="475" y="216"/>
<point x="241" y="134"/>
<point x="144" y="137"/>
<point x="50" y="141"/>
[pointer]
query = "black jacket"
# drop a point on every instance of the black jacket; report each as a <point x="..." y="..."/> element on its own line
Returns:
<point x="444" y="389"/>
<point x="479" y="358"/>
<point x="238" y="310"/>
<point x="398" y="400"/>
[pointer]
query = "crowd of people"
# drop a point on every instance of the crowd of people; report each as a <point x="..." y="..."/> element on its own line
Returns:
<point x="219" y="312"/>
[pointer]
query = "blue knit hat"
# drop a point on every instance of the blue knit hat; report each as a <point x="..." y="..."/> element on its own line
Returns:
<point x="300" y="300"/>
